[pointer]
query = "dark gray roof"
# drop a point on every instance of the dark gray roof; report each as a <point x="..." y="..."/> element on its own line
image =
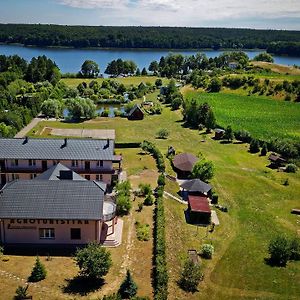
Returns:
<point x="196" y="185"/>
<point x="52" y="199"/>
<point x="135" y="107"/>
<point x="53" y="173"/>
<point x="76" y="149"/>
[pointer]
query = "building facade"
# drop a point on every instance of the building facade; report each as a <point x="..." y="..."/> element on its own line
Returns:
<point x="25" y="159"/>
<point x="58" y="207"/>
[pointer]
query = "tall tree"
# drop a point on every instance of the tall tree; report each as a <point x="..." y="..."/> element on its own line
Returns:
<point x="128" y="288"/>
<point x="90" y="69"/>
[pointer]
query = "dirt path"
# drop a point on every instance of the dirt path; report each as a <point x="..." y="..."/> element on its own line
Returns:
<point x="22" y="133"/>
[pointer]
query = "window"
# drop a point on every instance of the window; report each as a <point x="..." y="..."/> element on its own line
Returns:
<point x="32" y="176"/>
<point x="74" y="163"/>
<point x="15" y="162"/>
<point x="87" y="177"/>
<point x="100" y="163"/>
<point x="75" y="234"/>
<point x="31" y="162"/>
<point x="47" y="233"/>
<point x="99" y="177"/>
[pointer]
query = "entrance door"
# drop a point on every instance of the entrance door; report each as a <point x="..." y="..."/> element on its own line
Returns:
<point x="44" y="165"/>
<point x="87" y="165"/>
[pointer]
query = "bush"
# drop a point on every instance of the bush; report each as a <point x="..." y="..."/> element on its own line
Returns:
<point x="21" y="292"/>
<point x="93" y="261"/>
<point x="264" y="150"/>
<point x="128" y="288"/>
<point x="149" y="200"/>
<point x="162" y="133"/>
<point x="123" y="205"/>
<point x="1" y="250"/>
<point x="254" y="146"/>
<point x="38" y="272"/>
<point x="161" y="180"/>
<point x="207" y="251"/>
<point x="228" y="134"/>
<point x="291" y="168"/>
<point x="279" y="250"/>
<point x="190" y="276"/>
<point x="214" y="198"/>
<point x="145" y="189"/>
<point x="142" y="231"/>
<point x="243" y="136"/>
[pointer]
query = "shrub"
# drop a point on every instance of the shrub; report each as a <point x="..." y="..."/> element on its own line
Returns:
<point x="128" y="288"/>
<point x="254" y="146"/>
<point x="243" y="136"/>
<point x="21" y="292"/>
<point x="286" y="182"/>
<point x="123" y="205"/>
<point x="264" y="150"/>
<point x="145" y="189"/>
<point x="228" y="134"/>
<point x="214" y="198"/>
<point x="149" y="200"/>
<point x="161" y="180"/>
<point x="279" y="250"/>
<point x="1" y="250"/>
<point x="291" y="168"/>
<point x="207" y="251"/>
<point x="38" y="272"/>
<point x="295" y="249"/>
<point x="190" y="276"/>
<point x="142" y="231"/>
<point x="93" y="261"/>
<point x="162" y="133"/>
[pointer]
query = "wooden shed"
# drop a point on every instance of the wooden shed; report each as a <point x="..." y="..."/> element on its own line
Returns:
<point x="135" y="113"/>
<point x="219" y="133"/>
<point x="183" y="164"/>
<point x="199" y="209"/>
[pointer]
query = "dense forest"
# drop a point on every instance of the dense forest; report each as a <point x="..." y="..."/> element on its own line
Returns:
<point x="275" y="41"/>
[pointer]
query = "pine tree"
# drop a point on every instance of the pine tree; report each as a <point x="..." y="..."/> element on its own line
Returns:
<point x="38" y="272"/>
<point x="128" y="288"/>
<point x="228" y="134"/>
<point x="264" y="150"/>
<point x="254" y="146"/>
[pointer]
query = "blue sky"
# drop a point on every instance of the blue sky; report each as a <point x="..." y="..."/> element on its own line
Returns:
<point x="273" y="14"/>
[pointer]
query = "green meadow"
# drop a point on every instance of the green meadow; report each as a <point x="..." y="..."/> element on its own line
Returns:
<point x="263" y="117"/>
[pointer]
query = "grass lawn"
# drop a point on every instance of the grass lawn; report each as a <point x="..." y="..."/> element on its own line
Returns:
<point x="127" y="81"/>
<point x="264" y="118"/>
<point x="280" y="69"/>
<point x="259" y="208"/>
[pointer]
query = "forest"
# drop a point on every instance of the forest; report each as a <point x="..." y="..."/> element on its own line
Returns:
<point x="281" y="42"/>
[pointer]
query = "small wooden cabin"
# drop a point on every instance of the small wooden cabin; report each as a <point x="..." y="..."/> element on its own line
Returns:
<point x="199" y="209"/>
<point x="219" y="133"/>
<point x="135" y="113"/>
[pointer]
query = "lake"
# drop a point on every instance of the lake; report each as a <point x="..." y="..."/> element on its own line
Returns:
<point x="70" y="60"/>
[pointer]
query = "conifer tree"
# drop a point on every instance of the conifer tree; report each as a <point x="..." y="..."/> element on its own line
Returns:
<point x="38" y="272"/>
<point x="128" y="288"/>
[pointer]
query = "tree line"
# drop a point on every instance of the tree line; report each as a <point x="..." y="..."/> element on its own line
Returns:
<point x="43" y="35"/>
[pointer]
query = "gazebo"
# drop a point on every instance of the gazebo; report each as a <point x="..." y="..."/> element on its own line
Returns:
<point x="183" y="164"/>
<point x="196" y="186"/>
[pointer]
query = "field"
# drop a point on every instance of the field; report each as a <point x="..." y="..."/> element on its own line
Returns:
<point x="259" y="204"/>
<point x="73" y="82"/>
<point x="264" y="118"/>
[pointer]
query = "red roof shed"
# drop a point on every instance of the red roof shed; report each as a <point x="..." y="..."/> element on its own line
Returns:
<point x="199" y="204"/>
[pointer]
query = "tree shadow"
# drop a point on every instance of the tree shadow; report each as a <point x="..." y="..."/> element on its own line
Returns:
<point x="271" y="263"/>
<point x="225" y="142"/>
<point x="82" y="285"/>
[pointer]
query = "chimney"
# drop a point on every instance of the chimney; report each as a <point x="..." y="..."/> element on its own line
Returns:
<point x="65" y="143"/>
<point x="66" y="175"/>
<point x="106" y="145"/>
<point x="25" y="140"/>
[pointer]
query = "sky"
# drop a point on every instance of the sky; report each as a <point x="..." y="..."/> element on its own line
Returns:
<point x="267" y="14"/>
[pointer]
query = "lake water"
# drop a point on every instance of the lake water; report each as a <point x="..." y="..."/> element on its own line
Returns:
<point x="70" y="60"/>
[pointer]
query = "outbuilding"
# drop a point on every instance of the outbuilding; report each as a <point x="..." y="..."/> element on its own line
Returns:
<point x="183" y="164"/>
<point x="136" y="113"/>
<point x="199" y="209"/>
